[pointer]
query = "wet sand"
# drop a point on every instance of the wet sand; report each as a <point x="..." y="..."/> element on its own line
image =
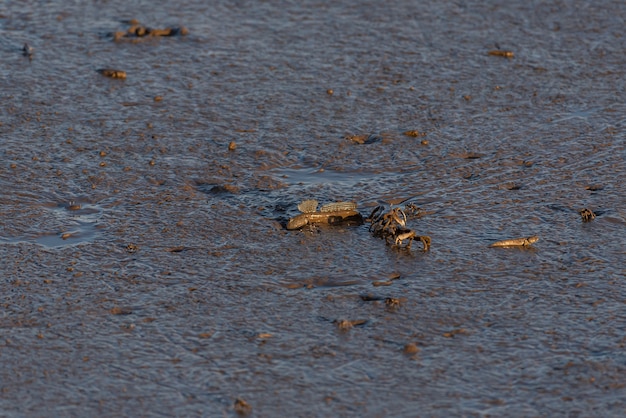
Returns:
<point x="146" y="268"/>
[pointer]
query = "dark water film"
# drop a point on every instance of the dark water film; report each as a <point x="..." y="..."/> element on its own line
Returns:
<point x="146" y="268"/>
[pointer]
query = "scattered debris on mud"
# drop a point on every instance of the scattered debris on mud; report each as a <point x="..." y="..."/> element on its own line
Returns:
<point x="137" y="32"/>
<point x="391" y="226"/>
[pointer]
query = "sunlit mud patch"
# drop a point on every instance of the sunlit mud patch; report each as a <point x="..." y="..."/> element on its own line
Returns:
<point x="81" y="234"/>
<point x="62" y="225"/>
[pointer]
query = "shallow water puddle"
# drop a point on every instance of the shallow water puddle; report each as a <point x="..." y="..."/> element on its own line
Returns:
<point x="315" y="176"/>
<point x="80" y="226"/>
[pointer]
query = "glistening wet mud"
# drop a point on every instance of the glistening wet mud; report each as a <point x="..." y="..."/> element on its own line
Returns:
<point x="145" y="264"/>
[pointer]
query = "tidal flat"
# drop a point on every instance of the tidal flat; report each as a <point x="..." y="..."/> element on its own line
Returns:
<point x="145" y="264"/>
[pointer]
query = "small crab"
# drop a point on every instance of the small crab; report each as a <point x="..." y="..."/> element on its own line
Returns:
<point x="386" y="223"/>
<point x="408" y="235"/>
<point x="391" y="226"/>
<point x="587" y="215"/>
<point x="413" y="211"/>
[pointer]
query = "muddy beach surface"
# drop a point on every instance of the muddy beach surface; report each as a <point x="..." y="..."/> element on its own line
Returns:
<point x="146" y="268"/>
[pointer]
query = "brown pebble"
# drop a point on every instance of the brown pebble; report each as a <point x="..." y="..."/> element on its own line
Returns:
<point x="117" y="36"/>
<point x="108" y="72"/>
<point x="232" y="146"/>
<point x="424" y="142"/>
<point x="454" y="332"/>
<point x="413" y="133"/>
<point x="364" y="139"/>
<point x="242" y="407"/>
<point x="66" y="235"/>
<point x="330" y="92"/>
<point x="411" y="348"/>
<point x="120" y="311"/>
<point x="359" y="139"/>
<point x="158" y="98"/>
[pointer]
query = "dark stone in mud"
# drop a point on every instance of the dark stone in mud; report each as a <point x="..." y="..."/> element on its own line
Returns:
<point x="28" y="51"/>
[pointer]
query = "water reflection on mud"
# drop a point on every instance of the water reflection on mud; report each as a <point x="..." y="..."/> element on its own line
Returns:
<point x="145" y="264"/>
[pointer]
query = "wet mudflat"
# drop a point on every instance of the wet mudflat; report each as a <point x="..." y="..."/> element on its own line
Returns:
<point x="146" y="268"/>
